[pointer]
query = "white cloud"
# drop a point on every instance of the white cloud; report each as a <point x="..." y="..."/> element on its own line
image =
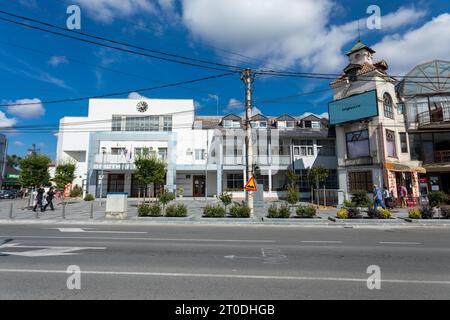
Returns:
<point x="283" y="33"/>
<point x="33" y="108"/>
<point x="428" y="42"/>
<point x="255" y="111"/>
<point x="18" y="143"/>
<point x="57" y="60"/>
<point x="5" y="121"/>
<point x="234" y="104"/>
<point x="136" y="95"/>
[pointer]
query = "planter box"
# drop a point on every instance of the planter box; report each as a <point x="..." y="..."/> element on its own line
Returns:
<point x="164" y="218"/>
<point x="366" y="221"/>
<point x="428" y="221"/>
<point x="296" y="220"/>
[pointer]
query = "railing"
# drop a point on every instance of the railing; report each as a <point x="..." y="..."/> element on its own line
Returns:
<point x="260" y="160"/>
<point x="442" y="156"/>
<point x="436" y="116"/>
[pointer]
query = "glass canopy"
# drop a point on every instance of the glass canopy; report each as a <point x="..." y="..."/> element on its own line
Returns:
<point x="428" y="79"/>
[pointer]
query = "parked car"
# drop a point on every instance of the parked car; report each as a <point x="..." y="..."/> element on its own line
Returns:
<point x="8" y="194"/>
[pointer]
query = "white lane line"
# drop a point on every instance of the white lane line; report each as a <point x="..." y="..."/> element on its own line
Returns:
<point x="399" y="242"/>
<point x="321" y="241"/>
<point x="82" y="230"/>
<point x="144" y="239"/>
<point x="230" y="276"/>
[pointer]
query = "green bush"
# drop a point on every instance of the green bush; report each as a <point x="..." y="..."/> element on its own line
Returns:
<point x="342" y="213"/>
<point x="360" y="199"/>
<point x="152" y="210"/>
<point x="292" y="196"/>
<point x="281" y="212"/>
<point x="212" y="211"/>
<point x="414" y="214"/>
<point x="372" y="213"/>
<point x="272" y="212"/>
<point x="384" y="214"/>
<point x="226" y="199"/>
<point x="306" y="211"/>
<point x="437" y="198"/>
<point x="89" y="197"/>
<point x="348" y="204"/>
<point x="353" y="213"/>
<point x="176" y="210"/>
<point x="240" y="210"/>
<point x="166" y="197"/>
<point x="75" y="193"/>
<point x="427" y="212"/>
<point x="445" y="212"/>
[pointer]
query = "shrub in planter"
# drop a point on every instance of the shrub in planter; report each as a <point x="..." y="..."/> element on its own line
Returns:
<point x="75" y="193"/>
<point x="89" y="197"/>
<point x="306" y="211"/>
<point x="176" y="210"/>
<point x="348" y="204"/>
<point x="353" y="213"/>
<point x="360" y="199"/>
<point x="152" y="210"/>
<point x="240" y="210"/>
<point x="384" y="214"/>
<point x="272" y="212"/>
<point x="414" y="214"/>
<point x="445" y="212"/>
<point x="436" y="198"/>
<point x="212" y="211"/>
<point x="372" y="213"/>
<point x="427" y="212"/>
<point x="284" y="212"/>
<point x="342" y="213"/>
<point x="165" y="198"/>
<point x="226" y="199"/>
<point x="292" y="196"/>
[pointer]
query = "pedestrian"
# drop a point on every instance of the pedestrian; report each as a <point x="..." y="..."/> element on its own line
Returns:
<point x="50" y="196"/>
<point x="39" y="198"/>
<point x="387" y="197"/>
<point x="378" y="198"/>
<point x="403" y="195"/>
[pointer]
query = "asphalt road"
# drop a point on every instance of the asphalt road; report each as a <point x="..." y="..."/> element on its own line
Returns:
<point x="222" y="262"/>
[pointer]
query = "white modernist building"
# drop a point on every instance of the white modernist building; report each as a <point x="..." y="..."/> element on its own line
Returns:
<point x="205" y="155"/>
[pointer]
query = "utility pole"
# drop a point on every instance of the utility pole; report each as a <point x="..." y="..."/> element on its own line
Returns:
<point x="33" y="151"/>
<point x="247" y="77"/>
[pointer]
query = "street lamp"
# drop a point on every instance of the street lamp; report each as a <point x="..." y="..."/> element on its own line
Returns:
<point x="101" y="175"/>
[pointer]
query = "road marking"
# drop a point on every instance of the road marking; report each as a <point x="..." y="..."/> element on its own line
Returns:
<point x="217" y="275"/>
<point x="233" y="257"/>
<point x="44" y="251"/>
<point x="268" y="256"/>
<point x="144" y="239"/>
<point x="321" y="241"/>
<point x="393" y="242"/>
<point x="79" y="230"/>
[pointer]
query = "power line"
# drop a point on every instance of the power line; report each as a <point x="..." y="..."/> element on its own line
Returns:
<point x="113" y="47"/>
<point x="120" y="93"/>
<point x="120" y="42"/>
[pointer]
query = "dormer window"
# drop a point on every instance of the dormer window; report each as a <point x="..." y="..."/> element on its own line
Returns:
<point x="259" y="124"/>
<point x="285" y="124"/>
<point x="231" y="123"/>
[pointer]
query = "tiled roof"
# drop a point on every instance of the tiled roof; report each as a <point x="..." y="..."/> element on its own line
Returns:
<point x="358" y="46"/>
<point x="361" y="69"/>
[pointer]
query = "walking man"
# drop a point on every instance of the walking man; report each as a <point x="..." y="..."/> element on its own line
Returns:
<point x="50" y="196"/>
<point x="403" y="195"/>
<point x="39" y="197"/>
<point x="378" y="198"/>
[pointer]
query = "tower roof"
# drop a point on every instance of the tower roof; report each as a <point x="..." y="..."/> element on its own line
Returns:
<point x="359" y="46"/>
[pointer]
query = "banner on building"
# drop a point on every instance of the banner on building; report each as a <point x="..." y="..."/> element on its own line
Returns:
<point x="356" y="107"/>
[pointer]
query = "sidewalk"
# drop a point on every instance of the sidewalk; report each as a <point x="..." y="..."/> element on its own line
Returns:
<point x="78" y="211"/>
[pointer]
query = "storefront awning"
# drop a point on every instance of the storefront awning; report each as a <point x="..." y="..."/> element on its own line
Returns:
<point x="404" y="167"/>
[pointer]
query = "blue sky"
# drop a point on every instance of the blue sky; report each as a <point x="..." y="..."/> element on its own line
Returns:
<point x="300" y="35"/>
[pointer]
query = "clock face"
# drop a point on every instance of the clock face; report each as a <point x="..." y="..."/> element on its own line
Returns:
<point x="142" y="106"/>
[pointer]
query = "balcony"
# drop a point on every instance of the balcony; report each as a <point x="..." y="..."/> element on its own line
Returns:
<point x="110" y="161"/>
<point x="442" y="156"/>
<point x="261" y="160"/>
<point x="436" y="116"/>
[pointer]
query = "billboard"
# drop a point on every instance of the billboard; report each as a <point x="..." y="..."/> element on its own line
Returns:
<point x="360" y="106"/>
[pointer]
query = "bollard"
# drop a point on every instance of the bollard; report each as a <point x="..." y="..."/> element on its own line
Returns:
<point x="92" y="210"/>
<point x="11" y="211"/>
<point x="63" y="210"/>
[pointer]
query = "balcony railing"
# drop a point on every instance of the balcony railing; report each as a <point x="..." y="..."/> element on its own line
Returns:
<point x="442" y="156"/>
<point x="436" y="116"/>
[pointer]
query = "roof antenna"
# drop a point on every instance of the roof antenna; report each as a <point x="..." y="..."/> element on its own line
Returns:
<point x="359" y="33"/>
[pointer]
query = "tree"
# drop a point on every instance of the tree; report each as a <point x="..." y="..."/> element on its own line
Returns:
<point x="64" y="174"/>
<point x="13" y="160"/>
<point x="34" y="171"/>
<point x="150" y="170"/>
<point x="291" y="178"/>
<point x="316" y="175"/>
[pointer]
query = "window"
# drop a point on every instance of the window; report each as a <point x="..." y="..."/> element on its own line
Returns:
<point x="315" y="124"/>
<point x="136" y="123"/>
<point x="264" y="180"/>
<point x="326" y="148"/>
<point x="231" y="123"/>
<point x="117" y="151"/>
<point x="304" y="183"/>
<point x="153" y="123"/>
<point x="144" y="152"/>
<point x="285" y="124"/>
<point x="388" y="108"/>
<point x="403" y="142"/>
<point x="235" y="181"/>
<point x="167" y="126"/>
<point x="400" y="108"/>
<point x="259" y="124"/>
<point x="199" y="154"/>
<point x="162" y="153"/>
<point x="303" y="148"/>
<point x="390" y="143"/>
<point x="116" y="123"/>
<point x="357" y="144"/>
<point x="360" y="180"/>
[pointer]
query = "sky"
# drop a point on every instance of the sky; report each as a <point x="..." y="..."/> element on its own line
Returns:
<point x="293" y="35"/>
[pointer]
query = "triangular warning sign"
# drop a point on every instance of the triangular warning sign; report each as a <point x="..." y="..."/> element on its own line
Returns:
<point x="251" y="184"/>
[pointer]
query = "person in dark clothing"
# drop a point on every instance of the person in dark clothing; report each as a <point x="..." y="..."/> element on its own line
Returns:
<point x="50" y="196"/>
<point x="39" y="197"/>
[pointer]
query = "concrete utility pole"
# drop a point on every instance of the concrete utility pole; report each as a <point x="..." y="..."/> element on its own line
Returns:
<point x="247" y="77"/>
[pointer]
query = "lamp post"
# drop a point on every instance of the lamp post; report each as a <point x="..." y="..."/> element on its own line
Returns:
<point x="101" y="175"/>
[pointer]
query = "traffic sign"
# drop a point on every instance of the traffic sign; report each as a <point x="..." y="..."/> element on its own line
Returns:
<point x="251" y="184"/>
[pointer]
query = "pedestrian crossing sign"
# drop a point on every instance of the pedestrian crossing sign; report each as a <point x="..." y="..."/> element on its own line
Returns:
<point x="251" y="184"/>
